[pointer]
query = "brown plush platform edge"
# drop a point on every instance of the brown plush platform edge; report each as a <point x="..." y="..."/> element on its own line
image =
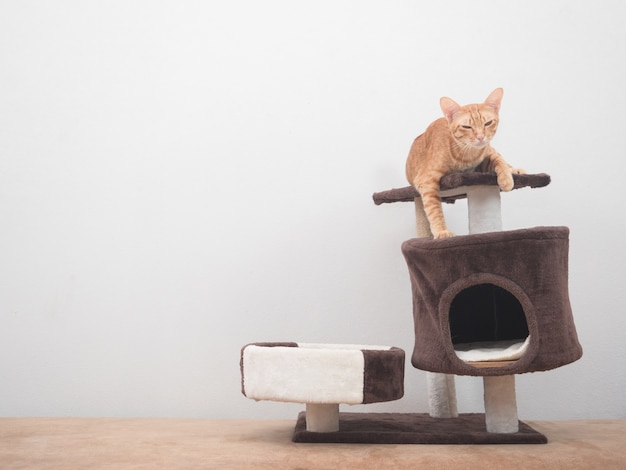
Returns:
<point x="457" y="180"/>
<point x="383" y="375"/>
<point x="414" y="428"/>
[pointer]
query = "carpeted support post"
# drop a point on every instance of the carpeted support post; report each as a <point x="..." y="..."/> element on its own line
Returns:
<point x="500" y="404"/>
<point x="484" y="209"/>
<point x="485" y="215"/>
<point x="441" y="395"/>
<point x="322" y="417"/>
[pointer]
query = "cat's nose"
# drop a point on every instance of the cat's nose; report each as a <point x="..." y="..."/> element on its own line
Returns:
<point x="480" y="137"/>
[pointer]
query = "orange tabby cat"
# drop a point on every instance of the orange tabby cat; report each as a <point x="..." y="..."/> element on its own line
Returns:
<point x="460" y="141"/>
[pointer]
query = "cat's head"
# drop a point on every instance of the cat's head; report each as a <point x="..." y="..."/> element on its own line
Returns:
<point x="473" y="124"/>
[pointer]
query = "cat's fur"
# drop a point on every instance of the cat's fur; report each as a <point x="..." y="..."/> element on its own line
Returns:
<point x="460" y="141"/>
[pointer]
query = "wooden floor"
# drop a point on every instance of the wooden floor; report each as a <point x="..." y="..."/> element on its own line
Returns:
<point x="64" y="443"/>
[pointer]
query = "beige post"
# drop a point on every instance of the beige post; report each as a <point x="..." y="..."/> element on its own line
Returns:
<point x="322" y="417"/>
<point x="485" y="215"/>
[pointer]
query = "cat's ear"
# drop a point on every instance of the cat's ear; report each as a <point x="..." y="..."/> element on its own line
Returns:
<point x="449" y="108"/>
<point x="494" y="99"/>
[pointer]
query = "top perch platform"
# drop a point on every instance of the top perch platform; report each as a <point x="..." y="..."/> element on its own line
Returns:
<point x="452" y="184"/>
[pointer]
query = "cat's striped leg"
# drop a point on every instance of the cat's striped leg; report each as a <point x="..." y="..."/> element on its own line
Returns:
<point x="431" y="200"/>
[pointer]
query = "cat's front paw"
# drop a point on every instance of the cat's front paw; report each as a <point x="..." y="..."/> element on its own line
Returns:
<point x="505" y="181"/>
<point x="444" y="234"/>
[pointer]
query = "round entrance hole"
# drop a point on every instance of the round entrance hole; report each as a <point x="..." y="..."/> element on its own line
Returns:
<point x="488" y="314"/>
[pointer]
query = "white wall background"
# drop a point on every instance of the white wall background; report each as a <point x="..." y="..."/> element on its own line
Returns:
<point x="180" y="178"/>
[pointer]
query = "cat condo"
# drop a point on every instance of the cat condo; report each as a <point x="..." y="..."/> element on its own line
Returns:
<point x="491" y="304"/>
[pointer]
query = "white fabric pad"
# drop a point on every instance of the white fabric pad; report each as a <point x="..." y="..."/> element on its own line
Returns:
<point x="310" y="373"/>
<point x="483" y="351"/>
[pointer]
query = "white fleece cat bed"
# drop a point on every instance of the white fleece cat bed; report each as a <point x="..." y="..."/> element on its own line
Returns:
<point x="322" y="376"/>
<point x="492" y="351"/>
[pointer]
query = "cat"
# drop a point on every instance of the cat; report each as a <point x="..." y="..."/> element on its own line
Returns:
<point x="457" y="142"/>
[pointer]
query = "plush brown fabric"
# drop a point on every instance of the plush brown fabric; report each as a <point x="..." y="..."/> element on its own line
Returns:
<point x="524" y="273"/>
<point x="457" y="180"/>
<point x="384" y="375"/>
<point x="414" y="428"/>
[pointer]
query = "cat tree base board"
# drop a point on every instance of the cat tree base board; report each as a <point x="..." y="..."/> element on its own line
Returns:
<point x="414" y="428"/>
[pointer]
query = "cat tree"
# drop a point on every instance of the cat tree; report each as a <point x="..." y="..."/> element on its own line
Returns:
<point x="491" y="304"/>
<point x="521" y="275"/>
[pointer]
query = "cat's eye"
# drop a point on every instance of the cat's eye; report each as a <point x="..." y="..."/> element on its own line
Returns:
<point x="466" y="127"/>
<point x="488" y="123"/>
